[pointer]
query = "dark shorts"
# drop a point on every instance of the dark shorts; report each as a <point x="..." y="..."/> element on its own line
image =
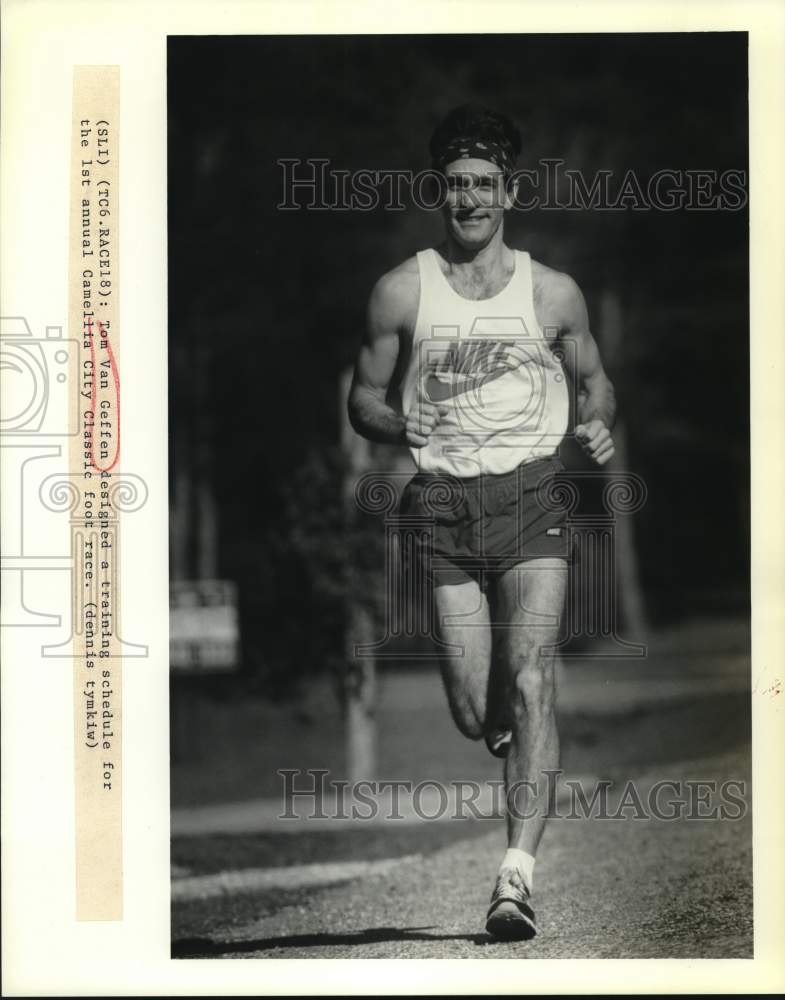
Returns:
<point x="478" y="528"/>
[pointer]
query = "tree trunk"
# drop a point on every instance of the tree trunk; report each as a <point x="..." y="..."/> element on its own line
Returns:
<point x="180" y="519"/>
<point x="633" y="607"/>
<point x="359" y="678"/>
<point x="207" y="531"/>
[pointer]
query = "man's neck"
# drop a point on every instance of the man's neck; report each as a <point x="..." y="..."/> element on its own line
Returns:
<point x="492" y="259"/>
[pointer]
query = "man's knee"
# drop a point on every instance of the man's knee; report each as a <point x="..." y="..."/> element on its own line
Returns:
<point x="466" y="713"/>
<point x="470" y="726"/>
<point x="533" y="677"/>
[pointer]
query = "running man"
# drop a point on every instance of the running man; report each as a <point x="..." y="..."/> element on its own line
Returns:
<point x="475" y="334"/>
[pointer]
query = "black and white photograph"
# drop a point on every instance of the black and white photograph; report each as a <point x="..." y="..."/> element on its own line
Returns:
<point x="459" y="496"/>
<point x="392" y="482"/>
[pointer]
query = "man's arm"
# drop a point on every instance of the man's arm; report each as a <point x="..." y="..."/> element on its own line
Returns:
<point x="369" y="412"/>
<point x="596" y="398"/>
<point x="391" y="306"/>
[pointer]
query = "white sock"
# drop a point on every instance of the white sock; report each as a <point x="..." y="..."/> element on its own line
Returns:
<point x="515" y="858"/>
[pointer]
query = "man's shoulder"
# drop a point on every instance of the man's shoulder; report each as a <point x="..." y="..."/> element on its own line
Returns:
<point x="555" y="284"/>
<point x="556" y="293"/>
<point x="403" y="279"/>
<point x="396" y="294"/>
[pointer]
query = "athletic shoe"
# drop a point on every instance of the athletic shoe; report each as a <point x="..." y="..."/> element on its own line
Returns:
<point x="498" y="742"/>
<point x="510" y="916"/>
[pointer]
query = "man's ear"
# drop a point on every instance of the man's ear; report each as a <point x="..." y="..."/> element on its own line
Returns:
<point x="510" y="193"/>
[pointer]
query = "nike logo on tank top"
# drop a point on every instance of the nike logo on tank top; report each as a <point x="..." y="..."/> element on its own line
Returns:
<point x="489" y="363"/>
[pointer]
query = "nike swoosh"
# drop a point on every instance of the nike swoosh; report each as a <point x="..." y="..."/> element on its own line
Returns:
<point x="439" y="391"/>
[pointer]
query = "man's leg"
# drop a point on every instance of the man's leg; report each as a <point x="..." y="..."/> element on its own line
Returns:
<point x="529" y="595"/>
<point x="527" y="619"/>
<point x="462" y="620"/>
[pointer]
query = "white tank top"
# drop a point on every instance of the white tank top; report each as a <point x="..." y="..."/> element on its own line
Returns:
<point x="489" y="363"/>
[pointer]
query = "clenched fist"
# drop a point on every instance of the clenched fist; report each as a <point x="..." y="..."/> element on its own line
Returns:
<point x="595" y="439"/>
<point x="421" y="420"/>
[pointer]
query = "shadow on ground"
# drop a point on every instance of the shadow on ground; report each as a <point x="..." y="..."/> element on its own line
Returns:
<point x="207" y="947"/>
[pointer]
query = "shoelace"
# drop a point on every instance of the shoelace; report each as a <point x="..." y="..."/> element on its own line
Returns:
<point x="510" y="885"/>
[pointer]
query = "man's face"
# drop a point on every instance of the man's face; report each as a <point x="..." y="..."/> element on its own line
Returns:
<point x="475" y="202"/>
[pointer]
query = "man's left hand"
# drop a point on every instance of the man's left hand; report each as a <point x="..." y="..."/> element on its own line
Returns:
<point x="595" y="439"/>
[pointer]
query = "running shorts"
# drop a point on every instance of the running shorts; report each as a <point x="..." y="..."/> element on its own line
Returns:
<point x="478" y="528"/>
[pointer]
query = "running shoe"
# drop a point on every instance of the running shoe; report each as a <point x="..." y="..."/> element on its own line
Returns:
<point x="510" y="916"/>
<point x="498" y="742"/>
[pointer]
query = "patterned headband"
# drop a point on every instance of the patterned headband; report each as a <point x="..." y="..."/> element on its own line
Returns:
<point x="469" y="148"/>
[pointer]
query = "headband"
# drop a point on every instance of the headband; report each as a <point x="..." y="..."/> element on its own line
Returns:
<point x="469" y="148"/>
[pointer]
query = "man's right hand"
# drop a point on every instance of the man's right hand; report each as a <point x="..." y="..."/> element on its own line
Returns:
<point x="421" y="420"/>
